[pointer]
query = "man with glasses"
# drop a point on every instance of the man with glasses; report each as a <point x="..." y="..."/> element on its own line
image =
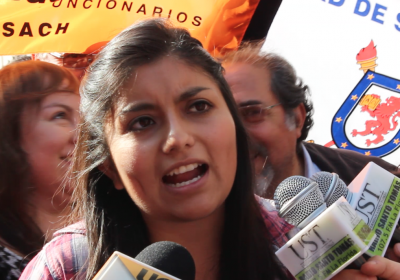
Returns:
<point x="277" y="113"/>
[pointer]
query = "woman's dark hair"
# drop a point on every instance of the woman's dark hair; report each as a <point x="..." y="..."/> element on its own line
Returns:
<point x="113" y="220"/>
<point x="22" y="84"/>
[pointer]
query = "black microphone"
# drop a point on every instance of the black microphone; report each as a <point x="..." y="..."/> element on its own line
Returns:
<point x="170" y="258"/>
<point x="159" y="261"/>
<point x="329" y="239"/>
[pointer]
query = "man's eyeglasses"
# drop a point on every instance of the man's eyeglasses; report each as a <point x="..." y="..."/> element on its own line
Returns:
<point x="255" y="113"/>
<point x="75" y="60"/>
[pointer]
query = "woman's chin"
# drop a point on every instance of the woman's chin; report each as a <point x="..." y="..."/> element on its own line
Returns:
<point x="195" y="212"/>
<point x="63" y="194"/>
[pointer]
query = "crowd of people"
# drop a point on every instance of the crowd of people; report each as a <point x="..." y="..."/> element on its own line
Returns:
<point x="161" y="142"/>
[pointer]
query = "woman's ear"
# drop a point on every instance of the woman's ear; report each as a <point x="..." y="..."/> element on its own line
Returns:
<point x="108" y="168"/>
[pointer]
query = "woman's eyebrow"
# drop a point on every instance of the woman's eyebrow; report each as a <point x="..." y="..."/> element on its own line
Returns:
<point x="190" y="93"/>
<point x="69" y="109"/>
<point x="135" y="107"/>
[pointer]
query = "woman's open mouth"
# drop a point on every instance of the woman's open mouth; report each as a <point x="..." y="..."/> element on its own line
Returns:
<point x="185" y="175"/>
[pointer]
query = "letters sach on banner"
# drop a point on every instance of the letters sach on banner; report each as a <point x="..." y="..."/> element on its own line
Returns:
<point x="75" y="25"/>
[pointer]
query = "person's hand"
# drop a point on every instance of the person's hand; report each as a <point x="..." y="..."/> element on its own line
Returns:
<point x="375" y="267"/>
<point x="352" y="274"/>
<point x="393" y="253"/>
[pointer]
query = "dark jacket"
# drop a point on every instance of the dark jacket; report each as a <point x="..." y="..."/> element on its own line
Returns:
<point x="347" y="164"/>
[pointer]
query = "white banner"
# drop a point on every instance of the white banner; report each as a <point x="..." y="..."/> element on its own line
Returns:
<point x="347" y="51"/>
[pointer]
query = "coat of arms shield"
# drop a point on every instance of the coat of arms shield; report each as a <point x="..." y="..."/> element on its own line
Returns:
<point x="368" y="120"/>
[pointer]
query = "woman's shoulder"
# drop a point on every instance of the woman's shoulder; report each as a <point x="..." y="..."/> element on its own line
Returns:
<point x="77" y="228"/>
<point x="62" y="258"/>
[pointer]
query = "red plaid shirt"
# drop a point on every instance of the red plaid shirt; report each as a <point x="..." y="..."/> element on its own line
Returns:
<point x="277" y="227"/>
<point x="64" y="257"/>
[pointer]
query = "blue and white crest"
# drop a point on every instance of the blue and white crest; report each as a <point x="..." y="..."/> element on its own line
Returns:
<point x="367" y="121"/>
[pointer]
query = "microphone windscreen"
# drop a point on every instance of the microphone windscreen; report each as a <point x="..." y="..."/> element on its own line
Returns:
<point x="289" y="188"/>
<point x="298" y="200"/>
<point x="331" y="186"/>
<point x="170" y="258"/>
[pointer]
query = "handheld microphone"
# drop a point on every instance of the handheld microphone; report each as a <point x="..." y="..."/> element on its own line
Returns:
<point x="330" y="238"/>
<point x="375" y="197"/>
<point x="160" y="261"/>
<point x="331" y="187"/>
<point x="377" y="200"/>
<point x="169" y="257"/>
<point x="293" y="194"/>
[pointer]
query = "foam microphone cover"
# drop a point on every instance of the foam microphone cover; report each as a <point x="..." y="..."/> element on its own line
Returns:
<point x="299" y="200"/>
<point x="331" y="186"/>
<point x="170" y="258"/>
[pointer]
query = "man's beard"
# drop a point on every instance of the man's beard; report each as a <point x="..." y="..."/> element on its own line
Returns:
<point x="265" y="175"/>
<point x="263" y="180"/>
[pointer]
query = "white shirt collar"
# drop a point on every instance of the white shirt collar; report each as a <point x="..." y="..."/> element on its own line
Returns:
<point x="310" y="168"/>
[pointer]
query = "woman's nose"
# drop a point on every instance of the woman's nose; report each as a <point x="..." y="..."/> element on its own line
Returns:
<point x="179" y="137"/>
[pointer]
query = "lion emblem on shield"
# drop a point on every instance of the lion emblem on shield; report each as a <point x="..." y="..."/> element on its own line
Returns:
<point x="385" y="115"/>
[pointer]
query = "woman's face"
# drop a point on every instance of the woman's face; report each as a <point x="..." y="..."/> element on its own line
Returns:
<point x="172" y="142"/>
<point x="48" y="137"/>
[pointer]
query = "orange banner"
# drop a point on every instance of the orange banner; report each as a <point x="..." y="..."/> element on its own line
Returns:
<point x="75" y="26"/>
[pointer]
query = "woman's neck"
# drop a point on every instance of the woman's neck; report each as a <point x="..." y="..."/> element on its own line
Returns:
<point x="202" y="238"/>
<point x="47" y="216"/>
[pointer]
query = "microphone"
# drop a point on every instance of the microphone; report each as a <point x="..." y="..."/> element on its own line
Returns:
<point x="159" y="261"/>
<point x="331" y="187"/>
<point x="292" y="194"/>
<point x="169" y="257"/>
<point x="330" y="238"/>
<point x="376" y="199"/>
